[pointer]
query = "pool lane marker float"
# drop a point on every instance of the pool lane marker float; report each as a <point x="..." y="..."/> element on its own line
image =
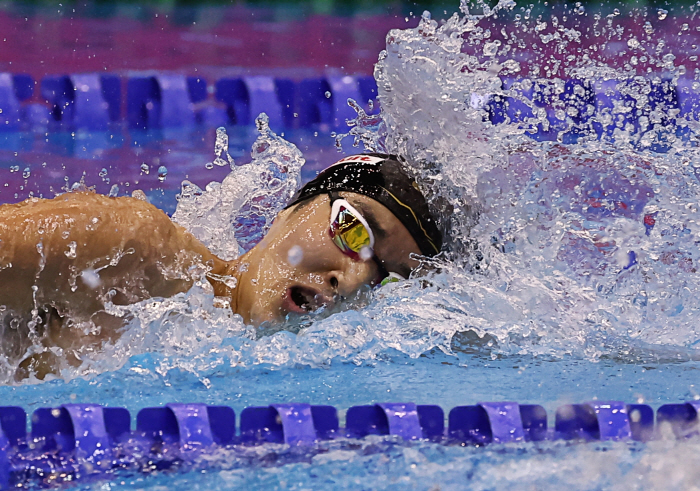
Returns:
<point x="79" y="440"/>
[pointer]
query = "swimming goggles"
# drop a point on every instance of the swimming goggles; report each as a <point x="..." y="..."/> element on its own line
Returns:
<point x="352" y="234"/>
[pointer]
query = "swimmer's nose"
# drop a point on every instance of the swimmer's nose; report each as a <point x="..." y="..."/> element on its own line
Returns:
<point x="348" y="281"/>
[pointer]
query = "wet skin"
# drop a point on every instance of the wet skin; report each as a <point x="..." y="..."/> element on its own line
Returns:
<point x="62" y="259"/>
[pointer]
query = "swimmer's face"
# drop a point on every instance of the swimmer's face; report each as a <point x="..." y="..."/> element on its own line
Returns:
<point x="298" y="269"/>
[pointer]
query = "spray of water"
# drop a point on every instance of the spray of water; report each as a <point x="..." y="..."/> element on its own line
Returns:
<point x="570" y="211"/>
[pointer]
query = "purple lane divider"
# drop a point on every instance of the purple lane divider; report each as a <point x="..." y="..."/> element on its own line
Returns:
<point x="604" y="420"/>
<point x="84" y="432"/>
<point x="613" y="420"/>
<point x="407" y="420"/>
<point x="245" y="98"/>
<point x="91" y="110"/>
<point x="262" y="97"/>
<point x="641" y="417"/>
<point x="343" y="88"/>
<point x="84" y="101"/>
<point x="576" y="421"/>
<point x="176" y="107"/>
<point x="313" y="105"/>
<point x="497" y="422"/>
<point x="9" y="104"/>
<point x="297" y="423"/>
<point x="682" y="418"/>
<point x="293" y="424"/>
<point x="193" y="427"/>
<point x="505" y="420"/>
<point x="402" y="419"/>
<point x="13" y="425"/>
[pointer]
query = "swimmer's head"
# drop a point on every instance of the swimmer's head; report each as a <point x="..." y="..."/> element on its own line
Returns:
<point x="358" y="223"/>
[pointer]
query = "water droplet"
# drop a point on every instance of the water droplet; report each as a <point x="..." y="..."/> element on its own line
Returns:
<point x="145" y="168"/>
<point x="91" y="278"/>
<point x="662" y="14"/>
<point x="633" y="43"/>
<point x="221" y="150"/>
<point x="26" y="173"/>
<point x="295" y="254"/>
<point x="140" y="195"/>
<point x="366" y="253"/>
<point x="328" y="94"/>
<point x="14" y="168"/>
<point x="162" y="173"/>
<point x="70" y="253"/>
<point x="103" y="173"/>
<point x="114" y="191"/>
<point x="491" y="49"/>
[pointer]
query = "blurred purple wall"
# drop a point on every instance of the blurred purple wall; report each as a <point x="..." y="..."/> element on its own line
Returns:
<point x="41" y="44"/>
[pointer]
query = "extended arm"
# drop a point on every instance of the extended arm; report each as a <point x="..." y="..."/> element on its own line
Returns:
<point x="62" y="259"/>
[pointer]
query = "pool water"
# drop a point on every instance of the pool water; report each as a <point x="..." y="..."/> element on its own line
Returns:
<point x="573" y="275"/>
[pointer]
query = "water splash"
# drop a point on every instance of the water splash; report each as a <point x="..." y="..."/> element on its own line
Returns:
<point x="584" y="249"/>
<point x="557" y="240"/>
<point x="232" y="216"/>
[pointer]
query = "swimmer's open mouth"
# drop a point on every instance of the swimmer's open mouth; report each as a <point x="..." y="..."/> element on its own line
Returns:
<point x="302" y="300"/>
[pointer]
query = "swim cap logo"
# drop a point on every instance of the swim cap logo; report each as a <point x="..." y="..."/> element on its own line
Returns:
<point x="365" y="159"/>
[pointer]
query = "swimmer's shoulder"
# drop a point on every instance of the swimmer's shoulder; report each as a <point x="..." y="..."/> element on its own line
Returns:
<point x="81" y="202"/>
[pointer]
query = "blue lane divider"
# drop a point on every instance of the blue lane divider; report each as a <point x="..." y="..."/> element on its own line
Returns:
<point x="192" y="427"/>
<point x="681" y="418"/>
<point x="83" y="101"/>
<point x="163" y="100"/>
<point x="9" y="104"/>
<point x="293" y="424"/>
<point x="546" y="109"/>
<point x="245" y="98"/>
<point x="497" y="422"/>
<point x="82" y="439"/>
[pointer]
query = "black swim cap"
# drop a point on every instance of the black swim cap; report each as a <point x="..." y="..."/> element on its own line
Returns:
<point x="382" y="178"/>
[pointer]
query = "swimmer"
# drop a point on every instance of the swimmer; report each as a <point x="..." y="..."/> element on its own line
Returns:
<point x="360" y="222"/>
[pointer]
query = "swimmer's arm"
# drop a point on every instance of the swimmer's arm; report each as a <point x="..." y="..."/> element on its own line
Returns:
<point x="74" y="252"/>
<point x="130" y="245"/>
